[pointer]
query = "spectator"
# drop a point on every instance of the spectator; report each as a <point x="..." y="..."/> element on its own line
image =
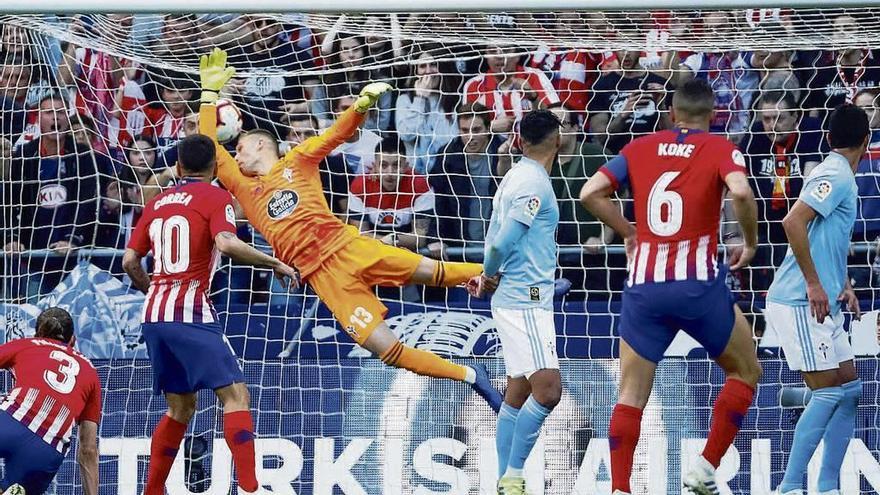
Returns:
<point x="841" y="74"/>
<point x="120" y="208"/>
<point x="730" y="76"/>
<point x="627" y="103"/>
<point x="15" y="75"/>
<point x="392" y="204"/>
<point x="425" y="115"/>
<point x="508" y="88"/>
<point x="572" y="72"/>
<point x="272" y="54"/>
<point x="781" y="149"/>
<point x="334" y="176"/>
<point x="466" y="177"/>
<point x="142" y="158"/>
<point x="54" y="191"/>
<point x="359" y="152"/>
<point x="349" y="53"/>
<point x="867" y="226"/>
<point x="165" y="119"/>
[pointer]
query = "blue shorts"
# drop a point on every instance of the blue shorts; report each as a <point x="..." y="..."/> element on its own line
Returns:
<point x="188" y="357"/>
<point x="651" y="314"/>
<point x="29" y="461"/>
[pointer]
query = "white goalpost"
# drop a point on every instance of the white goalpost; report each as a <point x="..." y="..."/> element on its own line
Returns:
<point x="92" y="103"/>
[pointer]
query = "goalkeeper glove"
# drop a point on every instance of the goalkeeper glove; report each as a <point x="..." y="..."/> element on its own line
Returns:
<point x="214" y="74"/>
<point x="369" y="95"/>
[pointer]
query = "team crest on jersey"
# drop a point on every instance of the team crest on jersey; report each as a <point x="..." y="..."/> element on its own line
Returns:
<point x="282" y="204"/>
<point x="288" y="174"/>
<point x="533" y="205"/>
<point x="822" y="190"/>
<point x="230" y="214"/>
<point x="738" y="158"/>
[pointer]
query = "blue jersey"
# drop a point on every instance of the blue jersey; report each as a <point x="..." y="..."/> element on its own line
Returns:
<point x="526" y="195"/>
<point x="831" y="191"/>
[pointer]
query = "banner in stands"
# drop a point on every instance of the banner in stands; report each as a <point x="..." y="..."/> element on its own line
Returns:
<point x="331" y="420"/>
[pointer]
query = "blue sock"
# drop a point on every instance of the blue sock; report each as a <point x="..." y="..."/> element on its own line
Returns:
<point x="807" y="433"/>
<point x="528" y="427"/>
<point x="504" y="435"/>
<point x="838" y="433"/>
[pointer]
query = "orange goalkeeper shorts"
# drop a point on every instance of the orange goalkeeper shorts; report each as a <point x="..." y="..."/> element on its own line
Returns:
<point x="345" y="282"/>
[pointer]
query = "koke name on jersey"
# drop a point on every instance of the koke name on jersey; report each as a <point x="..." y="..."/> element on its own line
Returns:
<point x="681" y="150"/>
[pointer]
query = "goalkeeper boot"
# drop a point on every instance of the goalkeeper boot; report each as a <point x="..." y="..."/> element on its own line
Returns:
<point x="483" y="386"/>
<point x="15" y="489"/>
<point x="512" y="485"/>
<point x="701" y="479"/>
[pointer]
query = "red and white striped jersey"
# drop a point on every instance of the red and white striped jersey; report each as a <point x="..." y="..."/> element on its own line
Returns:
<point x="55" y="388"/>
<point x="483" y="88"/>
<point x="572" y="73"/>
<point x="179" y="226"/>
<point x="676" y="178"/>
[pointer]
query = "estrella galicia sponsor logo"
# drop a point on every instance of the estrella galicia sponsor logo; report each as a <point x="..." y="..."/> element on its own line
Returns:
<point x="282" y="204"/>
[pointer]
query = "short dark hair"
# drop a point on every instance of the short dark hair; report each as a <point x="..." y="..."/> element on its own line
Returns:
<point x="847" y="126"/>
<point x="55" y="323"/>
<point x="196" y="153"/>
<point x="537" y="125"/>
<point x="391" y="145"/>
<point x="776" y="97"/>
<point x="474" y="109"/>
<point x="694" y="98"/>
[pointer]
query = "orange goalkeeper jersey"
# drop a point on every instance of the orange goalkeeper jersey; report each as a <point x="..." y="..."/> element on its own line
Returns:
<point x="287" y="205"/>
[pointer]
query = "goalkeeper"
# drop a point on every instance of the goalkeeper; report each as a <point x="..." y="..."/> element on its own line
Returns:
<point x="283" y="199"/>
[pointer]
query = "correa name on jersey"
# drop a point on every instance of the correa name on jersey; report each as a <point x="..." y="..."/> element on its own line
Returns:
<point x="182" y="198"/>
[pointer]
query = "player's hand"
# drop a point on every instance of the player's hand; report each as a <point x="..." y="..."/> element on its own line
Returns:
<point x="740" y="255"/>
<point x="369" y="95"/>
<point x="819" y="306"/>
<point x="214" y="73"/>
<point x="288" y="277"/>
<point x="629" y="246"/>
<point x="848" y="297"/>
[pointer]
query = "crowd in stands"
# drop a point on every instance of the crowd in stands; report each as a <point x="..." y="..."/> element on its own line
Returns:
<point x="88" y="136"/>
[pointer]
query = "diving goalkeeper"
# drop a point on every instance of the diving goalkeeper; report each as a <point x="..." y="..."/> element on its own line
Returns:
<point x="283" y="200"/>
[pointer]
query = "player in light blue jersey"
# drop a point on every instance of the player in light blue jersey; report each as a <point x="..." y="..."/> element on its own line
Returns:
<point x="819" y="228"/>
<point x="521" y="249"/>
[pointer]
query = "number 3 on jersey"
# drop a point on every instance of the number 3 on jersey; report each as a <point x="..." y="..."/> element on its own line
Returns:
<point x="170" y="239"/>
<point x="64" y="380"/>
<point x="661" y="197"/>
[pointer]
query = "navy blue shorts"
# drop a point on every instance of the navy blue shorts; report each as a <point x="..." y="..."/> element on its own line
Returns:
<point x="188" y="357"/>
<point x="651" y="315"/>
<point x="29" y="461"/>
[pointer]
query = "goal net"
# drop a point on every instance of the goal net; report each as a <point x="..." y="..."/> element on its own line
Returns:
<point x="93" y="105"/>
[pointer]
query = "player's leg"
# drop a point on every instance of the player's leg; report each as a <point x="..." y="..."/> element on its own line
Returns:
<point x="808" y="347"/>
<point x="167" y="438"/>
<point x="383" y="343"/>
<point x="238" y="429"/>
<point x="624" y="429"/>
<point x="444" y="273"/>
<point x="840" y="428"/>
<point x="518" y="390"/>
<point x="528" y="339"/>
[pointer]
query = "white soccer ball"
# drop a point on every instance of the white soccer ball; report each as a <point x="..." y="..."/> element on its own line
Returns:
<point x="229" y="121"/>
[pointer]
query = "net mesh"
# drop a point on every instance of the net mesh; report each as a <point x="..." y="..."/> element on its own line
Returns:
<point x="92" y="107"/>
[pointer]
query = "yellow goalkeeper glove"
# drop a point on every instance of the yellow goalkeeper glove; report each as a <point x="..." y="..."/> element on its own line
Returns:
<point x="214" y="74"/>
<point x="369" y="95"/>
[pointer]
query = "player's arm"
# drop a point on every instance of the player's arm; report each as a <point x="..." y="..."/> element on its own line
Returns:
<point x="796" y="224"/>
<point x="745" y="209"/>
<point x="87" y="456"/>
<point x="596" y="196"/>
<point x="497" y="251"/>
<point x="214" y="74"/>
<point x="230" y="245"/>
<point x="314" y="149"/>
<point x="138" y="247"/>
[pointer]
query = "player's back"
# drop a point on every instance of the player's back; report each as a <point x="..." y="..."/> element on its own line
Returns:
<point x="55" y="388"/>
<point x="676" y="179"/>
<point x="179" y="227"/>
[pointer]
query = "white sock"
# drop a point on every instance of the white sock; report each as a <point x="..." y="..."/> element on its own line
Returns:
<point x="512" y="472"/>
<point x="470" y="376"/>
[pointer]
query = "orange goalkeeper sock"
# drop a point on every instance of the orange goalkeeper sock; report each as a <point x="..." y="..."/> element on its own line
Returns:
<point x="423" y="362"/>
<point x="450" y="274"/>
